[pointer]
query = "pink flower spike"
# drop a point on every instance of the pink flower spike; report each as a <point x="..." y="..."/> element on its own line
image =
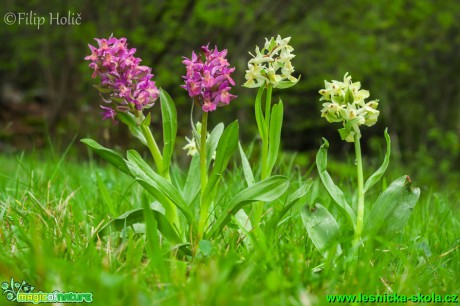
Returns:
<point x="124" y="83"/>
<point x="208" y="78"/>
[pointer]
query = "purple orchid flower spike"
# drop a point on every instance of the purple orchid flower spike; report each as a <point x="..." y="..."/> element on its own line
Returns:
<point x="127" y="86"/>
<point x="208" y="78"/>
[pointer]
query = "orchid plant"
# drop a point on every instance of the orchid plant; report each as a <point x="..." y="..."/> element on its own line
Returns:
<point x="269" y="68"/>
<point x="186" y="214"/>
<point x="190" y="212"/>
<point x="345" y="102"/>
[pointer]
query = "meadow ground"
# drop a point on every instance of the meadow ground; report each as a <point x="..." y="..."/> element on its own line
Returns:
<point x="51" y="205"/>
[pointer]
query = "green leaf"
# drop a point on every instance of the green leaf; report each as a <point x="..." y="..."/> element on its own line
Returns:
<point x="137" y="216"/>
<point x="336" y="194"/>
<point x="322" y="228"/>
<point x="169" y="119"/>
<point x="227" y="145"/>
<point x="109" y="155"/>
<point x="374" y="178"/>
<point x="260" y="115"/>
<point x="205" y="247"/>
<point x="158" y="186"/>
<point x="128" y="119"/>
<point x="287" y="84"/>
<point x="212" y="142"/>
<point x="293" y="198"/>
<point x="276" y="122"/>
<point x="192" y="183"/>
<point x="393" y="207"/>
<point x="153" y="242"/>
<point x="147" y="120"/>
<point x="347" y="129"/>
<point x="247" y="171"/>
<point x="243" y="221"/>
<point x="265" y="191"/>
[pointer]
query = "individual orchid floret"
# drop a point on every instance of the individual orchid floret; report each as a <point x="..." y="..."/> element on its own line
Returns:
<point x="272" y="65"/>
<point x="208" y="79"/>
<point x="125" y="86"/>
<point x="191" y="146"/>
<point x="346" y="102"/>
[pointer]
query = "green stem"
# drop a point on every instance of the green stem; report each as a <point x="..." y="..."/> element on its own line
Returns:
<point x="171" y="211"/>
<point x="359" y="167"/>
<point x="204" y="207"/>
<point x="153" y="147"/>
<point x="268" y="104"/>
<point x="266" y="141"/>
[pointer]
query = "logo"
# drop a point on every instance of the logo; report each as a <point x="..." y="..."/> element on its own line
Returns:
<point x="23" y="293"/>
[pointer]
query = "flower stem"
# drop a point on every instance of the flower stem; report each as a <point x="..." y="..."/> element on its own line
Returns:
<point x="204" y="207"/>
<point x="359" y="168"/>
<point x="153" y="147"/>
<point x="266" y="141"/>
<point x="171" y="210"/>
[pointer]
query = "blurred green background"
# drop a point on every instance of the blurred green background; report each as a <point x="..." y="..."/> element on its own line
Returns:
<point x="406" y="53"/>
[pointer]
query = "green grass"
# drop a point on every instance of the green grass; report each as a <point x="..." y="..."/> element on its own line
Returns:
<point x="50" y="207"/>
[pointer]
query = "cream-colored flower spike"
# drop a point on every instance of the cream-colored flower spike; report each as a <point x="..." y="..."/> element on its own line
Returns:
<point x="346" y="102"/>
<point x="272" y="65"/>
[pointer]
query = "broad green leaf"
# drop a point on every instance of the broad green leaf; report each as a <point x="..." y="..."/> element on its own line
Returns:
<point x="128" y="119"/>
<point x="169" y="118"/>
<point x="243" y="220"/>
<point x="322" y="228"/>
<point x="260" y="115"/>
<point x="247" y="171"/>
<point x="212" y="142"/>
<point x="109" y="155"/>
<point x="393" y="207"/>
<point x="227" y="145"/>
<point x="293" y="198"/>
<point x="276" y="122"/>
<point x="265" y="191"/>
<point x="336" y="194"/>
<point x="137" y="216"/>
<point x="158" y="186"/>
<point x="374" y="178"/>
<point x="192" y="183"/>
